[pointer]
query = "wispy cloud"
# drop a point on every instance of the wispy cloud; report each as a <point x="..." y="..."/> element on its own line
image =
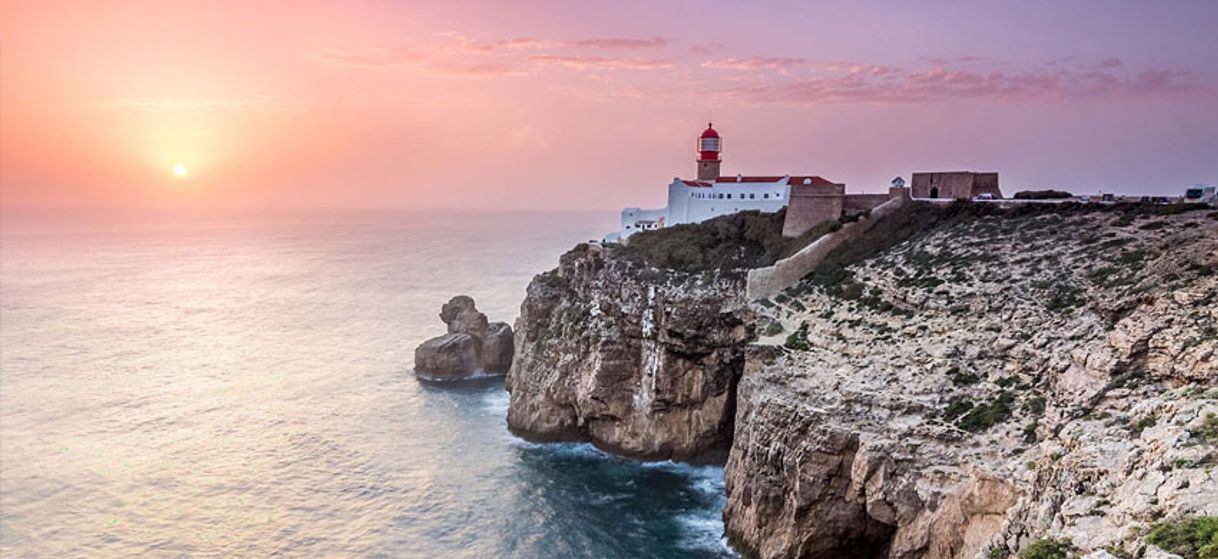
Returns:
<point x="871" y="83"/>
<point x="601" y="62"/>
<point x="599" y="43"/>
<point x="780" y="64"/>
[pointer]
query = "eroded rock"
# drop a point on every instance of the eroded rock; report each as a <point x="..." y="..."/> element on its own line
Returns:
<point x="471" y="346"/>
<point x="639" y="361"/>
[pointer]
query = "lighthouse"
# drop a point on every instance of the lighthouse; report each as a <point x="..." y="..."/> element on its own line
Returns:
<point x="711" y="194"/>
<point x="709" y="146"/>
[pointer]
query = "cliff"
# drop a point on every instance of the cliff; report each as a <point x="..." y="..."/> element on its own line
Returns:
<point x="640" y="361"/>
<point x="975" y="381"/>
<point x="957" y="381"/>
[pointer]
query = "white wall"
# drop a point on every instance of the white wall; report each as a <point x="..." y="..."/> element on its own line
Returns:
<point x="692" y="204"/>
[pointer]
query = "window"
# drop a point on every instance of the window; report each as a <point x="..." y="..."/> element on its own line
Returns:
<point x="752" y="196"/>
<point x="720" y="195"/>
<point x="729" y="195"/>
<point x="766" y="195"/>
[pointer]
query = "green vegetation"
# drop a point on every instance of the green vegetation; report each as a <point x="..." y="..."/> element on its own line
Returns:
<point x="1208" y="432"/>
<point x="960" y="378"/>
<point x="1153" y="225"/>
<point x="1048" y="548"/>
<point x="1117" y="551"/>
<point x="1192" y="538"/>
<point x="957" y="408"/>
<point x="986" y="415"/>
<point x="749" y="239"/>
<point x="1042" y="195"/>
<point x="1035" y="405"/>
<point x="798" y="340"/>
<point x="1136" y="427"/>
<point x="773" y="329"/>
<point x="979" y="417"/>
<point x="1029" y="431"/>
<point x="1122" y="272"/>
<point x="1065" y="298"/>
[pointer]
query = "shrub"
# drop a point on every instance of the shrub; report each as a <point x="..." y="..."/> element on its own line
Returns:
<point x="1048" y="548"/>
<point x="798" y="340"/>
<point x="984" y="416"/>
<point x="1209" y="428"/>
<point x="1029" y="431"/>
<point x="1192" y="538"/>
<point x="749" y="239"/>
<point x="1142" y="424"/>
<point x="1042" y="195"/>
<point x="1035" y="405"/>
<point x="960" y="378"/>
<point x="956" y="408"/>
<point x="773" y="329"/>
<point x="1153" y="225"/>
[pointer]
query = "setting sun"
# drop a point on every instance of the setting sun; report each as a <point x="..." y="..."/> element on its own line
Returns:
<point x="179" y="170"/>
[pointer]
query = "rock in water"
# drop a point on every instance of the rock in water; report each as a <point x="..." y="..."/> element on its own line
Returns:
<point x="471" y="345"/>
<point x="638" y="361"/>
<point x="497" y="348"/>
<point x="450" y="356"/>
<point x="461" y="315"/>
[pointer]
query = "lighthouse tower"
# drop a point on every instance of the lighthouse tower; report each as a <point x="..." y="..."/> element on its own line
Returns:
<point x="709" y="146"/>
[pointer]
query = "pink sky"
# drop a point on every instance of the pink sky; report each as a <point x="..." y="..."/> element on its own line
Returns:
<point x="495" y="105"/>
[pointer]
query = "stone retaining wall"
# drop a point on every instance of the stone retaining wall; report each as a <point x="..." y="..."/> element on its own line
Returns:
<point x="771" y="280"/>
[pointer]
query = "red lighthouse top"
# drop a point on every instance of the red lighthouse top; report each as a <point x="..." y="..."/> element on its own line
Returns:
<point x="709" y="144"/>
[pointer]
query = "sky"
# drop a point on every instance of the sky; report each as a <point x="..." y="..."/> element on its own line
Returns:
<point x="540" y="104"/>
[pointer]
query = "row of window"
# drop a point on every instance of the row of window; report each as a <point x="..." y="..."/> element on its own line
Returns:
<point x="719" y="196"/>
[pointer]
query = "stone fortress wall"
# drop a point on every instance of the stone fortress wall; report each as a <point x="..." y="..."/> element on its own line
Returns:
<point x="958" y="185"/>
<point x="771" y="280"/>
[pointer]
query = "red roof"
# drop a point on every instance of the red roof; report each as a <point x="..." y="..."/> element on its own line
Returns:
<point x="815" y="180"/>
<point x="709" y="132"/>
<point x="819" y="181"/>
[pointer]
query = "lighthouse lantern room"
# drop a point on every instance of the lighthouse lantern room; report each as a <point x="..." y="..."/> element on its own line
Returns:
<point x="709" y="146"/>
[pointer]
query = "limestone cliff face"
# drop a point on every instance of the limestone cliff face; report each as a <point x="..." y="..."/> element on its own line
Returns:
<point x="636" y="360"/>
<point x="994" y="380"/>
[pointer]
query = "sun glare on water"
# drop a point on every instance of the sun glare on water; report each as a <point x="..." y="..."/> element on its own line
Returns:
<point x="179" y="170"/>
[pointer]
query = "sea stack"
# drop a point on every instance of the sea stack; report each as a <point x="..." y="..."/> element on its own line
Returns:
<point x="472" y="345"/>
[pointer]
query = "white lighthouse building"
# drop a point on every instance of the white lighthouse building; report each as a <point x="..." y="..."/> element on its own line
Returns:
<point x="711" y="195"/>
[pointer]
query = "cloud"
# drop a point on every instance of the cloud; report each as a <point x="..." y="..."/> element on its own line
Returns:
<point x="864" y="83"/>
<point x="1110" y="63"/>
<point x="601" y="62"/>
<point x="609" y="43"/>
<point x="755" y="63"/>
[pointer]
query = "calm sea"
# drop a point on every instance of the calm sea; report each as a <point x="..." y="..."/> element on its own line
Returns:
<point x="238" y="385"/>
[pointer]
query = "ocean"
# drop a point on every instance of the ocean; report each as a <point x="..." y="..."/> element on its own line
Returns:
<point x="238" y="384"/>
